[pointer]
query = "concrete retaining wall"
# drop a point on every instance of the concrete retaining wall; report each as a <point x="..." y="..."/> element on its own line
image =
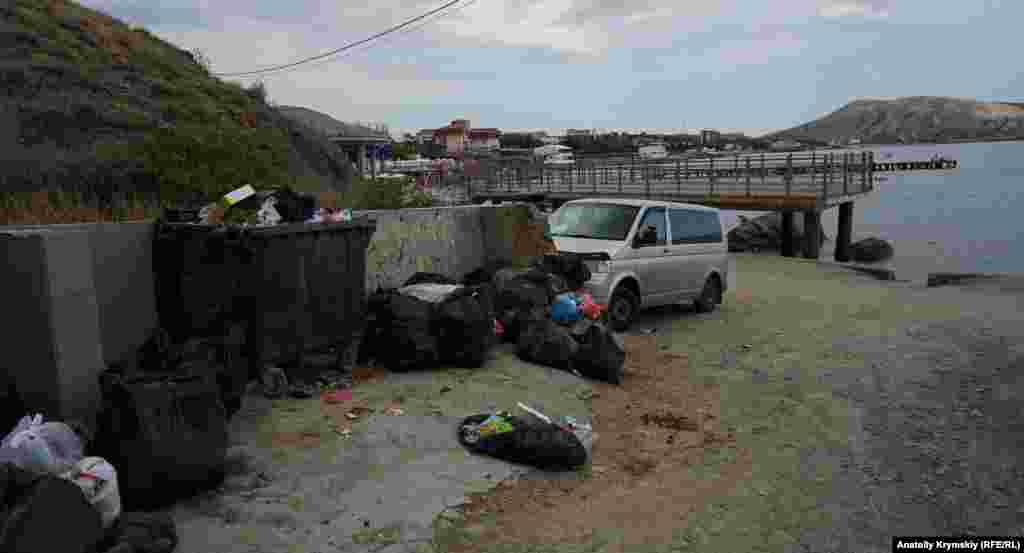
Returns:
<point x="452" y="241"/>
<point x="80" y="297"/>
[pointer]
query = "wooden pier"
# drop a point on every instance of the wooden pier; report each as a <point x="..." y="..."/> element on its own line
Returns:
<point x="756" y="182"/>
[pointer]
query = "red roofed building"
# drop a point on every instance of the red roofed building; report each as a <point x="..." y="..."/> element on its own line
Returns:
<point x="459" y="136"/>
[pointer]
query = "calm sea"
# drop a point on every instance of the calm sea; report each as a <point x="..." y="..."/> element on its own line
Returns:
<point x="968" y="220"/>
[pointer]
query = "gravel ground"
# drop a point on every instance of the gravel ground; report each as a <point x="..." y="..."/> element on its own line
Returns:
<point x="936" y="427"/>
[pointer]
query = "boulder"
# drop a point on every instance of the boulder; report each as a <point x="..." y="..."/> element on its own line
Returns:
<point x="870" y="250"/>
<point x="765" y="233"/>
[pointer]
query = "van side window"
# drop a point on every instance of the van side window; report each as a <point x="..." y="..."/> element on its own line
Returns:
<point x="654" y="222"/>
<point x="691" y="226"/>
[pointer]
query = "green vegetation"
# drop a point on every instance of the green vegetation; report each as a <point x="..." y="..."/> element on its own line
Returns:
<point x="209" y="160"/>
<point x="185" y="133"/>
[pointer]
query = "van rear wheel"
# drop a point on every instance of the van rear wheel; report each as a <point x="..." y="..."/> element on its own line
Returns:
<point x="622" y="308"/>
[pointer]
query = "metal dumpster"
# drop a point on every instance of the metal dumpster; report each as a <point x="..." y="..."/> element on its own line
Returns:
<point x="293" y="287"/>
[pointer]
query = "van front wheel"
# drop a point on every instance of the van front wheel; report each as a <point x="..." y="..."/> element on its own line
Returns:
<point x="710" y="297"/>
<point x="621" y="309"/>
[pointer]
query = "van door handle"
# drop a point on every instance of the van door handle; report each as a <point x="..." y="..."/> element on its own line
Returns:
<point x="666" y="250"/>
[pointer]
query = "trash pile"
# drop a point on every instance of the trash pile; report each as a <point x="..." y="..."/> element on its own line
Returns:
<point x="433" y="319"/>
<point x="430" y="320"/>
<point x="53" y="497"/>
<point x="247" y="207"/>
<point x="536" y="441"/>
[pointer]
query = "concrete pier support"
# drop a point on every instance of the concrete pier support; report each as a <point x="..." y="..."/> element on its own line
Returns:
<point x="812" y="234"/>
<point x="787" y="249"/>
<point x="845" y="232"/>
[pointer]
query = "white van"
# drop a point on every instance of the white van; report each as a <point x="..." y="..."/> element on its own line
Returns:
<point x="645" y="253"/>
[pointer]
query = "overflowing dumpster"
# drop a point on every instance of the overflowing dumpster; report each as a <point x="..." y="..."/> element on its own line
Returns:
<point x="290" y="288"/>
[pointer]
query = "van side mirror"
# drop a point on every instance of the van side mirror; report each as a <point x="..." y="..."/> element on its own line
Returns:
<point x="645" y="237"/>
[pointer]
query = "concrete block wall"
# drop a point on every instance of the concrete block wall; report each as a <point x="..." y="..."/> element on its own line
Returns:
<point x="53" y="350"/>
<point x="451" y="240"/>
<point x="78" y="298"/>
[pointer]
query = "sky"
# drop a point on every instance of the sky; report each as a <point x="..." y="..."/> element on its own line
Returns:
<point x="752" y="66"/>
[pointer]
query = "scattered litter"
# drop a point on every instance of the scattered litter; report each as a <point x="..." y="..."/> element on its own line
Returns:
<point x="747" y="346"/>
<point x="445" y="389"/>
<point x="522" y="440"/>
<point x="41" y="447"/>
<point x="268" y="214"/>
<point x="394" y="412"/>
<point x="337" y="396"/>
<point x="98" y="481"/>
<point x="357" y="412"/>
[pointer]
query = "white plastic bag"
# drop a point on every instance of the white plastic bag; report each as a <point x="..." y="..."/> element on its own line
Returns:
<point x="268" y="214"/>
<point x="98" y="481"/>
<point x="41" y="447"/>
<point x="428" y="292"/>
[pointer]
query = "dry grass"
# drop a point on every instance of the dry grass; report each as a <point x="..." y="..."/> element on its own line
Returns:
<point x="45" y="208"/>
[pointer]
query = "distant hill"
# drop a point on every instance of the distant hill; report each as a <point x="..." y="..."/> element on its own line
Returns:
<point x="327" y="125"/>
<point x="913" y="119"/>
<point x="92" y="103"/>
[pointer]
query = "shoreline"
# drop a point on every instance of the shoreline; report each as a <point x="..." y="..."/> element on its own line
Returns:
<point x="884" y="271"/>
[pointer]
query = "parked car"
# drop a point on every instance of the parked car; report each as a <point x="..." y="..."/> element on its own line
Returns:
<point x="645" y="253"/>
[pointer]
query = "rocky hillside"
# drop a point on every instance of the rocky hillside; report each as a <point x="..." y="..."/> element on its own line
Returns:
<point x="913" y="119"/>
<point x="89" y="103"/>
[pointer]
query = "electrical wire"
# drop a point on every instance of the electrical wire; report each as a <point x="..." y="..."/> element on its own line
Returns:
<point x="404" y="33"/>
<point x="343" y="48"/>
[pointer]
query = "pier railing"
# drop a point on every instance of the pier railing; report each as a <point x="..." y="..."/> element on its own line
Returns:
<point x="800" y="180"/>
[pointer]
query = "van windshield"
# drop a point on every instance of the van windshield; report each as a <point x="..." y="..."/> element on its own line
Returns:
<point x="596" y="221"/>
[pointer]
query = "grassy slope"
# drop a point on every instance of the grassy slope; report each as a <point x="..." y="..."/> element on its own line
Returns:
<point x="93" y="101"/>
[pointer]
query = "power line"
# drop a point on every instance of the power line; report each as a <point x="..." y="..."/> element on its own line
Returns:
<point x="343" y="48"/>
<point x="390" y="38"/>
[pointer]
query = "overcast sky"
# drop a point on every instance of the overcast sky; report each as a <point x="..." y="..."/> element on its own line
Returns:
<point x="737" y="65"/>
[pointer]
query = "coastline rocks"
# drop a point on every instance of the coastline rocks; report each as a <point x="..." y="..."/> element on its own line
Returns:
<point x="765" y="233"/>
<point x="871" y="250"/>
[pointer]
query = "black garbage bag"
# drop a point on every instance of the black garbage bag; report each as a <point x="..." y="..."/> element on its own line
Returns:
<point x="409" y="340"/>
<point x="545" y="342"/>
<point x="43" y="513"/>
<point x="429" y="278"/>
<point x="167" y="434"/>
<point x="530" y="442"/>
<point x="141" y="533"/>
<point x="517" y="299"/>
<point x="601" y="353"/>
<point x="465" y="327"/>
<point x="378" y="323"/>
<point x="552" y="283"/>
<point x="478" y="277"/>
<point x="569" y="266"/>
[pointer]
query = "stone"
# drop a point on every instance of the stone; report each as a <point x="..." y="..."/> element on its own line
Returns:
<point x="871" y="250"/>
<point x="765" y="233"/>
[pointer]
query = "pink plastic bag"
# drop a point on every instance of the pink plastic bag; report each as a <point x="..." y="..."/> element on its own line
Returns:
<point x="499" y="329"/>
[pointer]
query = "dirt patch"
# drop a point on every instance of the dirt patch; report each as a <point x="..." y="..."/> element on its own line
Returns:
<point x="366" y="375"/>
<point x="1000" y="109"/>
<point x="647" y="432"/>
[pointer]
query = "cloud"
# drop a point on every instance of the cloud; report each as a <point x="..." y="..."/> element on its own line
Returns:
<point x="854" y="8"/>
